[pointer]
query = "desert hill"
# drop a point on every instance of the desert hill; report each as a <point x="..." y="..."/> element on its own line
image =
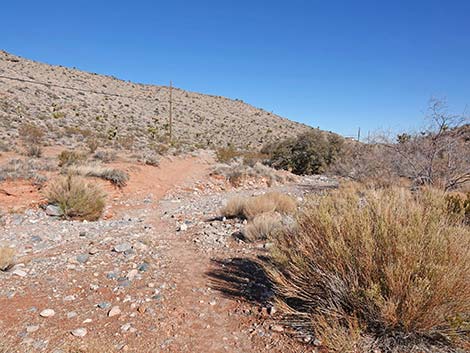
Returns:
<point x="72" y="105"/>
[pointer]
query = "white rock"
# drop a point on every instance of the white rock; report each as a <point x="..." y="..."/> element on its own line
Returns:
<point x="19" y="273"/>
<point x="131" y="275"/>
<point x="79" y="332"/>
<point x="114" y="311"/>
<point x="183" y="227"/>
<point x="47" y="313"/>
<point x="32" y="328"/>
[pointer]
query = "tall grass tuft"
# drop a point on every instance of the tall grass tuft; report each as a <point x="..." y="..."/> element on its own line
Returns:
<point x="76" y="198"/>
<point x="379" y="268"/>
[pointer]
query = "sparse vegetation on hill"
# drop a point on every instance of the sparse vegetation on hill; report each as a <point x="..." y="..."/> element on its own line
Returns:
<point x="379" y="269"/>
<point x="79" y="108"/>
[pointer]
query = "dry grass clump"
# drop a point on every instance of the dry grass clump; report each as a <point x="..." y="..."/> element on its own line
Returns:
<point x="7" y="255"/>
<point x="32" y="137"/>
<point x="115" y="176"/>
<point x="238" y="171"/>
<point x="28" y="169"/>
<point x="250" y="207"/>
<point x="383" y="267"/>
<point x="76" y="198"/>
<point x="262" y="226"/>
<point x="105" y="156"/>
<point x="67" y="158"/>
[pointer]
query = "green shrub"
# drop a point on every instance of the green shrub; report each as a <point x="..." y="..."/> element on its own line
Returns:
<point x="386" y="268"/>
<point x="76" y="198"/>
<point x="310" y="153"/>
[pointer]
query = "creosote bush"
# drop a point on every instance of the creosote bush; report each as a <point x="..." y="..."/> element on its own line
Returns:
<point x="309" y="153"/>
<point x="383" y="269"/>
<point x="250" y="207"/>
<point x="77" y="198"/>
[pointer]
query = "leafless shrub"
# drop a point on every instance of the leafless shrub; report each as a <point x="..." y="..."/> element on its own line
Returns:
<point x="26" y="169"/>
<point x="385" y="266"/>
<point x="438" y="155"/>
<point x="76" y="198"/>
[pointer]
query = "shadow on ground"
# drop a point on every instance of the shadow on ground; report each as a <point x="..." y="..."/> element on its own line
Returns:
<point x="241" y="278"/>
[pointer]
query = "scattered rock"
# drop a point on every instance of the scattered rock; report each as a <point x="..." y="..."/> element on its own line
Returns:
<point x="277" y="328"/>
<point x="114" y="311"/>
<point x="82" y="258"/>
<point x="19" y="273"/>
<point x="79" y="332"/>
<point x="54" y="211"/>
<point x="32" y="328"/>
<point x="183" y="227"/>
<point x="47" y="313"/>
<point x="104" y="305"/>
<point x="71" y="314"/>
<point x="122" y="247"/>
<point x="131" y="275"/>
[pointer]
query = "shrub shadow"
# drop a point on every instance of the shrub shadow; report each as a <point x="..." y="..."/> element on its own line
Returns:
<point x="242" y="278"/>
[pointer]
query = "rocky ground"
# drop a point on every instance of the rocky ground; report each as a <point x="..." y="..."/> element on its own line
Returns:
<point x="163" y="273"/>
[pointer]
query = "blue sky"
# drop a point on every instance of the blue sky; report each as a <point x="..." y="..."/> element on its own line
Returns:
<point x="333" y="64"/>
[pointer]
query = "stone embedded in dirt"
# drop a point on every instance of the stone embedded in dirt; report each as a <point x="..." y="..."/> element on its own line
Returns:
<point x="122" y="247"/>
<point x="47" y="313"/>
<point x="132" y="273"/>
<point x="104" y="305"/>
<point x="79" y="332"/>
<point x="32" y="328"/>
<point x="82" y="234"/>
<point x="87" y="321"/>
<point x="114" y="311"/>
<point x="212" y="302"/>
<point x="143" y="267"/>
<point x="19" y="273"/>
<point x="54" y="211"/>
<point x="183" y="227"/>
<point x="71" y="314"/>
<point x="125" y="327"/>
<point x="82" y="258"/>
<point x="93" y="251"/>
<point x="277" y="328"/>
<point x="69" y="298"/>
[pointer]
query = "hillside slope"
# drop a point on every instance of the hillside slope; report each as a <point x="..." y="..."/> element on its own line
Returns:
<point x="72" y="105"/>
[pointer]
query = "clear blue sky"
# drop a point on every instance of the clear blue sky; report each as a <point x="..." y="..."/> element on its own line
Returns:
<point x="333" y="64"/>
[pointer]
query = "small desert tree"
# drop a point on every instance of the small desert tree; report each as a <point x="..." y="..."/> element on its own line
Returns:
<point x="439" y="155"/>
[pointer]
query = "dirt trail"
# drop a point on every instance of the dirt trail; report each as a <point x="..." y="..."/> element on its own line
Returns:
<point x="173" y="305"/>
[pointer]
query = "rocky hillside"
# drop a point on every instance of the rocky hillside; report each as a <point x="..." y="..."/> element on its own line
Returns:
<point x="72" y="105"/>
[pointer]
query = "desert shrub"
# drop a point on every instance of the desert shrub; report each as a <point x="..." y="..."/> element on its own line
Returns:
<point x="7" y="255"/>
<point x="76" y="198"/>
<point x="459" y="205"/>
<point x="262" y="226"/>
<point x="250" y="207"/>
<point x="436" y="155"/>
<point x="32" y="137"/>
<point x="26" y="169"/>
<point x="383" y="267"/>
<point x="309" y="153"/>
<point x="115" y="176"/>
<point x="92" y="144"/>
<point x="226" y="154"/>
<point x="105" y="156"/>
<point x="67" y="158"/>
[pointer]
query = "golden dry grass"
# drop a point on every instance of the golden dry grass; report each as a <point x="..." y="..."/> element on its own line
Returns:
<point x="115" y="176"/>
<point x="7" y="255"/>
<point x="262" y="226"/>
<point x="250" y="207"/>
<point x="77" y="198"/>
<point x="387" y="264"/>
